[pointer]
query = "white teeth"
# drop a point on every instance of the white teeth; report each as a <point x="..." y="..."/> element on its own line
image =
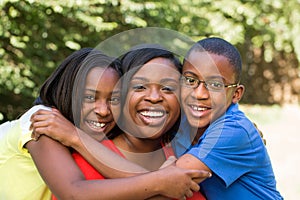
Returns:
<point x="152" y="113"/>
<point x="197" y="108"/>
<point x="97" y="124"/>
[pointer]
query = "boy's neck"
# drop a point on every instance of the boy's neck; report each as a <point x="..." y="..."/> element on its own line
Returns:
<point x="200" y="132"/>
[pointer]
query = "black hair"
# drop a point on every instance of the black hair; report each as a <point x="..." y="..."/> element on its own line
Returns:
<point x="65" y="86"/>
<point x="134" y="59"/>
<point x="220" y="46"/>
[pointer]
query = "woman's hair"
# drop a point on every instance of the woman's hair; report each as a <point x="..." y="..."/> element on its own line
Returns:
<point x="135" y="58"/>
<point x="64" y="89"/>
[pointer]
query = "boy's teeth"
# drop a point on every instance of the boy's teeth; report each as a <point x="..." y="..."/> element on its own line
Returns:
<point x="152" y="113"/>
<point x="197" y="108"/>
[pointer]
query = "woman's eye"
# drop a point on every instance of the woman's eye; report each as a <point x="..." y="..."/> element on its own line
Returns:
<point x="138" y="87"/>
<point x="168" y="88"/>
<point x="115" y="100"/>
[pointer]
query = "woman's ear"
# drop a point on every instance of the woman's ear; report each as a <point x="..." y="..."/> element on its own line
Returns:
<point x="238" y="94"/>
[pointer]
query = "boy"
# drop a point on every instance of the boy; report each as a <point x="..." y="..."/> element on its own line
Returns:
<point x="226" y="143"/>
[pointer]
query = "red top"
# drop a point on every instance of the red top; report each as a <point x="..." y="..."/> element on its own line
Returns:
<point x="91" y="173"/>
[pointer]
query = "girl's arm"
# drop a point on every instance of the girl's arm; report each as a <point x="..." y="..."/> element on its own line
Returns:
<point x="111" y="165"/>
<point x="65" y="180"/>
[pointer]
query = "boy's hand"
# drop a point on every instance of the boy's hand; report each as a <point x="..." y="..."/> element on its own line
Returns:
<point x="55" y="125"/>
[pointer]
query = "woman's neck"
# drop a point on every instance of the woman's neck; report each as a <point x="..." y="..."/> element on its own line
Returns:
<point x="133" y="144"/>
<point x="144" y="152"/>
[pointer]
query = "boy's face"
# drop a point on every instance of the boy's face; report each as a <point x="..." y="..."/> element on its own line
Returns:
<point x="202" y="106"/>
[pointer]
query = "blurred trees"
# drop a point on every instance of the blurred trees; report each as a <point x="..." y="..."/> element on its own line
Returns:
<point x="36" y="35"/>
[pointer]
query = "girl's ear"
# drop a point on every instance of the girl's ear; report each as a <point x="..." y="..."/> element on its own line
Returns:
<point x="238" y="94"/>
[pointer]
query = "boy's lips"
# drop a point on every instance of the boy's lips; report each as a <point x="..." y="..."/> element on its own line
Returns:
<point x="199" y="110"/>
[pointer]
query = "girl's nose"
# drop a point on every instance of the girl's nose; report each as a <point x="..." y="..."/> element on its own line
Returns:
<point x="102" y="108"/>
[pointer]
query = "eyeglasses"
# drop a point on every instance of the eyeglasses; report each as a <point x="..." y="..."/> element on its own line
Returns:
<point x="211" y="85"/>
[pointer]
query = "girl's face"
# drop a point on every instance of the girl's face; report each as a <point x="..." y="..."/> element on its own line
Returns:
<point x="152" y="105"/>
<point x="101" y="96"/>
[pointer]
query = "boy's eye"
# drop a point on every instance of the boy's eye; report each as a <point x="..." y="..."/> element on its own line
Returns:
<point x="215" y="84"/>
<point x="190" y="81"/>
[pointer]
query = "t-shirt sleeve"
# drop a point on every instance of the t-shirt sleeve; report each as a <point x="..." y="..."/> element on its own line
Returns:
<point x="226" y="151"/>
<point x="25" y="125"/>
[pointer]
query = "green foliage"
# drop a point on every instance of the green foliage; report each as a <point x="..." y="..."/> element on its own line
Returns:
<point x="37" y="34"/>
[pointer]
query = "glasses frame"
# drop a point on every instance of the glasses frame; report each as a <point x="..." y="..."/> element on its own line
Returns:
<point x="198" y="82"/>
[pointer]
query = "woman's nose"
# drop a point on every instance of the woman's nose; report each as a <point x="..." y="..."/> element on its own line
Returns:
<point x="154" y="95"/>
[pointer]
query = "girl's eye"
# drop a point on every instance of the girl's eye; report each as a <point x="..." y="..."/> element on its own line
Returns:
<point x="89" y="98"/>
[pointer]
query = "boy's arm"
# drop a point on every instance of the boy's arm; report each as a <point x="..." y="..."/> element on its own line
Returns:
<point x="188" y="161"/>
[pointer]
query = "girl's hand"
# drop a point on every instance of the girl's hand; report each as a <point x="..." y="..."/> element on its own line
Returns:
<point x="179" y="183"/>
<point x="55" y="125"/>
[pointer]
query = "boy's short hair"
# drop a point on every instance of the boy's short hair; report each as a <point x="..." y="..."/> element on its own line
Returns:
<point x="220" y="46"/>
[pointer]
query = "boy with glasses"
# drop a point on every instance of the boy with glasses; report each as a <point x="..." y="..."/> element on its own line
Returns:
<point x="225" y="142"/>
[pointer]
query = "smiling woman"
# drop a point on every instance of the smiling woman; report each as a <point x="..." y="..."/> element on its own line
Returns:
<point x="152" y="106"/>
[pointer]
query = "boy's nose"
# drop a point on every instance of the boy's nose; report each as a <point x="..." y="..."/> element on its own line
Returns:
<point x="201" y="92"/>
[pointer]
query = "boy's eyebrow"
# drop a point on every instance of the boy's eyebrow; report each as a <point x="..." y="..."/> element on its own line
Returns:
<point x="208" y="77"/>
<point x="189" y="73"/>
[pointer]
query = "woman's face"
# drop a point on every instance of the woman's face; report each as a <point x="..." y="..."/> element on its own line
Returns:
<point x="101" y="96"/>
<point x="152" y="105"/>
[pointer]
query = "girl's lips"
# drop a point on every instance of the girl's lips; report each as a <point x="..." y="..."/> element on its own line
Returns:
<point x="97" y="126"/>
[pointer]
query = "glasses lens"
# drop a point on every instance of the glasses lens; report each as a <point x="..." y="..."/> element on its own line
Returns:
<point x="189" y="81"/>
<point x="214" y="85"/>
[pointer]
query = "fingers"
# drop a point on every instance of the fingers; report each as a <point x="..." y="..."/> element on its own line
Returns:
<point x="35" y="136"/>
<point x="183" y="198"/>
<point x="189" y="193"/>
<point x="194" y="186"/>
<point x="199" y="174"/>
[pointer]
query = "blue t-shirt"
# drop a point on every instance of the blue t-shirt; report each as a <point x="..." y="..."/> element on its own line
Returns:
<point x="233" y="149"/>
